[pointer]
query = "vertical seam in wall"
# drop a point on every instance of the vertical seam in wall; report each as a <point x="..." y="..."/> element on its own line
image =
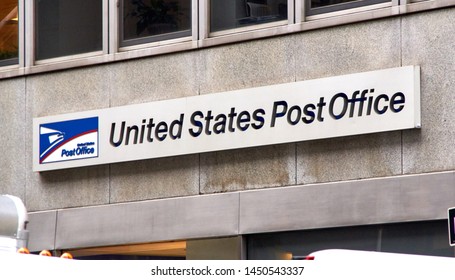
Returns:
<point x="109" y="183"/>
<point x="198" y="79"/>
<point x="199" y="172"/>
<point x="238" y="214"/>
<point x="55" y="230"/>
<point x="294" y="60"/>
<point x="401" y="41"/>
<point x="294" y="49"/>
<point x="109" y="170"/>
<point x="295" y="162"/>
<point x="402" y="154"/>
<point x="401" y="64"/>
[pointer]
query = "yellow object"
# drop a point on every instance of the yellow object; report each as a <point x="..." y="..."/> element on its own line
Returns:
<point x="66" y="256"/>
<point x="23" y="250"/>
<point x="45" y="253"/>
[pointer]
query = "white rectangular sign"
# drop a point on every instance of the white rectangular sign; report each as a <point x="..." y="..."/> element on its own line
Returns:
<point x="362" y="103"/>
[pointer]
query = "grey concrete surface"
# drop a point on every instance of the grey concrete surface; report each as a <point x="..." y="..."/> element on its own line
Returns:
<point x="74" y="187"/>
<point x="349" y="158"/>
<point x="154" y="78"/>
<point x="428" y="41"/>
<point x="346" y="49"/>
<point x="57" y="93"/>
<point x="74" y="90"/>
<point x="263" y="167"/>
<point x="239" y="66"/>
<point x="245" y="65"/>
<point x="155" y="178"/>
<point x="353" y="48"/>
<point x="12" y="137"/>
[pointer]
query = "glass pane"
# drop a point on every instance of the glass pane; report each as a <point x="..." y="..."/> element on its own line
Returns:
<point x="327" y="6"/>
<point x="324" y="3"/>
<point x="155" y="20"/>
<point x="8" y="32"/>
<point x="422" y="238"/>
<point x="286" y="245"/>
<point x="228" y="14"/>
<point x="68" y="27"/>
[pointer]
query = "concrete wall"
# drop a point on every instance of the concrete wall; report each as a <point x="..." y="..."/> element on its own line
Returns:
<point x="13" y="135"/>
<point x="424" y="39"/>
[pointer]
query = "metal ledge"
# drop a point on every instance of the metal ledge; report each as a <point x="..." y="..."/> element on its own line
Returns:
<point x="41" y="227"/>
<point x="372" y="201"/>
<point x="148" y="221"/>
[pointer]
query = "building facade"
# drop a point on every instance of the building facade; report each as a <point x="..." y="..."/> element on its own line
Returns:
<point x="386" y="191"/>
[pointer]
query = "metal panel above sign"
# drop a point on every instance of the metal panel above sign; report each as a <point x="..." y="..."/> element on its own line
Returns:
<point x="362" y="103"/>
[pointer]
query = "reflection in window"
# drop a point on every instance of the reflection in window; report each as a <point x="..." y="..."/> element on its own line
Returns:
<point x="324" y="3"/>
<point x="326" y="6"/>
<point x="228" y="14"/>
<point x="8" y="32"/>
<point x="67" y="27"/>
<point x="145" y="21"/>
<point x="423" y="238"/>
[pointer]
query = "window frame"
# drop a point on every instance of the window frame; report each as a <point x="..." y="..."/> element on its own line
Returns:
<point x="201" y="36"/>
<point x="355" y="5"/>
<point x="206" y="20"/>
<point x="30" y="37"/>
<point x="119" y="45"/>
<point x="15" y="62"/>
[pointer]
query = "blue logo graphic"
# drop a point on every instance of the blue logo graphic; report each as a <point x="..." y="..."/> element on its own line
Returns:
<point x="68" y="140"/>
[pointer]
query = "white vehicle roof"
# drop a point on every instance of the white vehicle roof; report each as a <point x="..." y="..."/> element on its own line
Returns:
<point x="352" y="265"/>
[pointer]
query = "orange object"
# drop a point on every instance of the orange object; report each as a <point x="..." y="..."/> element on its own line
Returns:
<point x="23" y="250"/>
<point x="66" y="256"/>
<point x="45" y="253"/>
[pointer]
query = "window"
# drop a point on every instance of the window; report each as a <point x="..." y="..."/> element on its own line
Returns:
<point x="228" y="14"/>
<point x="145" y="21"/>
<point x="67" y="27"/>
<point x="316" y="7"/>
<point x="424" y="238"/>
<point x="285" y="245"/>
<point x="9" y="28"/>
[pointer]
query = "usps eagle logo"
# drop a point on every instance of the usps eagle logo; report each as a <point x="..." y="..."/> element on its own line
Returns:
<point x="68" y="140"/>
